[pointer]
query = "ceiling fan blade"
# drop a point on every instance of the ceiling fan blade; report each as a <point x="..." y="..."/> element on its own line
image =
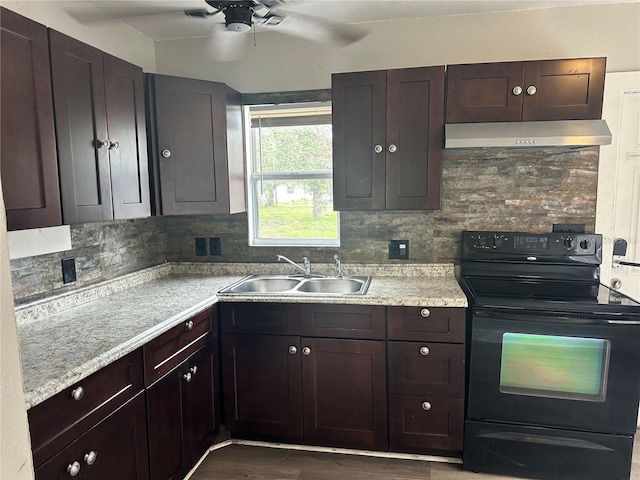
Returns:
<point x="312" y="28"/>
<point x="87" y="13"/>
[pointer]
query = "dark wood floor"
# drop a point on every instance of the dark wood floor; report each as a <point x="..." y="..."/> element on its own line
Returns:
<point x="241" y="462"/>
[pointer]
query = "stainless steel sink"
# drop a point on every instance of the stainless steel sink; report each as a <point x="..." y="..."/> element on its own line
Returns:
<point x="298" y="285"/>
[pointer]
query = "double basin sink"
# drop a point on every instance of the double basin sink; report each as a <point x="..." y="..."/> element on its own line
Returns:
<point x="298" y="285"/>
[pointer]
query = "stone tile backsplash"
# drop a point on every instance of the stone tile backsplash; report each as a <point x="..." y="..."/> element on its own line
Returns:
<point x="510" y="189"/>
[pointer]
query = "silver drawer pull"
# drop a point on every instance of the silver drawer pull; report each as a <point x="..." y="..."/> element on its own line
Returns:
<point x="73" y="469"/>
<point x="517" y="90"/>
<point x="378" y="148"/>
<point x="187" y="377"/>
<point x="306" y="351"/>
<point x="293" y="349"/>
<point x="77" y="393"/>
<point x="90" y="458"/>
<point x="189" y="325"/>
<point x="193" y="370"/>
<point x="393" y="148"/>
<point x="166" y="153"/>
<point x="425" y="312"/>
<point x="426" y="406"/>
<point x="424" y="350"/>
<point x="531" y="90"/>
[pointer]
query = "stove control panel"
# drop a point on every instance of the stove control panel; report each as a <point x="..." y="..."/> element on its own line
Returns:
<point x="545" y="246"/>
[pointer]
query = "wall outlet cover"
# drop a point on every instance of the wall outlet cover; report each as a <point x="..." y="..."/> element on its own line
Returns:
<point x="68" y="270"/>
<point x="399" y="249"/>
<point x="201" y="247"/>
<point x="215" y="246"/>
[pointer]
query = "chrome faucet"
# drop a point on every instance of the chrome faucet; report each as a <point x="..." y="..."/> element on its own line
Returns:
<point x="305" y="261"/>
<point x="338" y="266"/>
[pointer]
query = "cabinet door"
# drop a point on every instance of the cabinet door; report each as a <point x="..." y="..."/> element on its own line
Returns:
<point x="359" y="116"/>
<point x="118" y="445"/>
<point x="344" y="392"/>
<point x="484" y="92"/>
<point x="425" y="424"/>
<point x="124" y="92"/>
<point x="426" y="368"/>
<point x="564" y="89"/>
<point x="81" y="129"/>
<point x="27" y="137"/>
<point x="200" y="403"/>
<point x="415" y="129"/>
<point x="262" y="385"/>
<point x="169" y="457"/>
<point x="191" y="124"/>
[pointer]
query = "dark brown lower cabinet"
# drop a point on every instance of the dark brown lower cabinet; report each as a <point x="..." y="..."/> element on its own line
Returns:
<point x="181" y="416"/>
<point x="262" y="385"/>
<point x="320" y="391"/>
<point x="344" y="392"/>
<point x="114" y="448"/>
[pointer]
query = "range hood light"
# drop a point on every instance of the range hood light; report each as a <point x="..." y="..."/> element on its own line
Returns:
<point x="559" y="133"/>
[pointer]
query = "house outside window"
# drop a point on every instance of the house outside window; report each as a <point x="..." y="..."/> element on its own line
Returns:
<point x="290" y="191"/>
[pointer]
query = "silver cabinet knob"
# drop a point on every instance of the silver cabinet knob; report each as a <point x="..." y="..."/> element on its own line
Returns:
<point x="378" y="149"/>
<point x="77" y="393"/>
<point x="531" y="90"/>
<point x="424" y="351"/>
<point x="166" y="153"/>
<point x="425" y="312"/>
<point x="187" y="377"/>
<point x="73" y="469"/>
<point x="114" y="144"/>
<point x="193" y="370"/>
<point x="90" y="458"/>
<point x="306" y="351"/>
<point x="426" y="406"/>
<point x="393" y="148"/>
<point x="102" y="143"/>
<point x="189" y="325"/>
<point x="517" y="90"/>
<point x="293" y="349"/>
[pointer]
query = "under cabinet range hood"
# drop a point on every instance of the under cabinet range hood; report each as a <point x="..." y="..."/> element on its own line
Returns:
<point x="558" y="133"/>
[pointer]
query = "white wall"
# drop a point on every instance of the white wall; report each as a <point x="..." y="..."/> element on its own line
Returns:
<point x="282" y="63"/>
<point x="15" y="448"/>
<point x="117" y="39"/>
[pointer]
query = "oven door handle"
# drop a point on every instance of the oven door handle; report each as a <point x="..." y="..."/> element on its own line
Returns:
<point x="573" y="318"/>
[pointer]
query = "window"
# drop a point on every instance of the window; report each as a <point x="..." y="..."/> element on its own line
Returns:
<point x="290" y="179"/>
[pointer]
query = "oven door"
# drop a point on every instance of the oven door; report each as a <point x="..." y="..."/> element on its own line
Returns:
<point x="556" y="370"/>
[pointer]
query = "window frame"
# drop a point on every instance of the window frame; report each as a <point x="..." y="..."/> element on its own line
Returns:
<point x="255" y="175"/>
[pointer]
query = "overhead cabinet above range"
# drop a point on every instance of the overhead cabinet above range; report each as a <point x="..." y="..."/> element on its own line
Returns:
<point x="101" y="133"/>
<point x="525" y="91"/>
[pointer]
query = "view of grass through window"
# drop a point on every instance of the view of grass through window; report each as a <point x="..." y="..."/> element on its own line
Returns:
<point x="290" y="182"/>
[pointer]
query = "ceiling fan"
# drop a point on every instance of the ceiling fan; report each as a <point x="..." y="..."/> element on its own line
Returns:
<point x="239" y="15"/>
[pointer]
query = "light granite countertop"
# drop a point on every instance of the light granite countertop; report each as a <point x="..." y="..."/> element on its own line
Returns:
<point x="66" y="338"/>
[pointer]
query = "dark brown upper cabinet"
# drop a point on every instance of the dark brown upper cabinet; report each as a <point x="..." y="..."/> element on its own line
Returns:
<point x="197" y="146"/>
<point x="388" y="139"/>
<point x="101" y="133"/>
<point x="28" y="163"/>
<point x="526" y="91"/>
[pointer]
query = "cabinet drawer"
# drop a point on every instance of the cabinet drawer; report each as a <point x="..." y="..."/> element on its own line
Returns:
<point x="424" y="424"/>
<point x="437" y="324"/>
<point x="60" y="419"/>
<point x="260" y="318"/>
<point x="343" y="321"/>
<point x="426" y="369"/>
<point x="165" y="352"/>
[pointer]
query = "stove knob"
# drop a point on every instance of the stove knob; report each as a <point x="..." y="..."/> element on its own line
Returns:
<point x="584" y="244"/>
<point x="568" y="242"/>
<point x="496" y="240"/>
<point x="481" y="241"/>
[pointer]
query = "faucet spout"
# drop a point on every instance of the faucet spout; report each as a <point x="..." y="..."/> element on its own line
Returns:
<point x="306" y="262"/>
<point x="338" y="266"/>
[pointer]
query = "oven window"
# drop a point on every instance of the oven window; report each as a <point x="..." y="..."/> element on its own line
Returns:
<point x="553" y="366"/>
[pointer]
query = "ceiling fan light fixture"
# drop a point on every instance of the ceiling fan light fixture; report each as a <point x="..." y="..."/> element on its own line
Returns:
<point x="238" y="18"/>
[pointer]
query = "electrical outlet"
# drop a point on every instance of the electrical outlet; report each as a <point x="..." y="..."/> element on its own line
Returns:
<point x="201" y="247"/>
<point x="215" y="246"/>
<point x="399" y="249"/>
<point x="68" y="270"/>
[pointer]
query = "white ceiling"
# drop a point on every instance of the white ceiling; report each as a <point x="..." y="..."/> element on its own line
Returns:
<point x="164" y="20"/>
